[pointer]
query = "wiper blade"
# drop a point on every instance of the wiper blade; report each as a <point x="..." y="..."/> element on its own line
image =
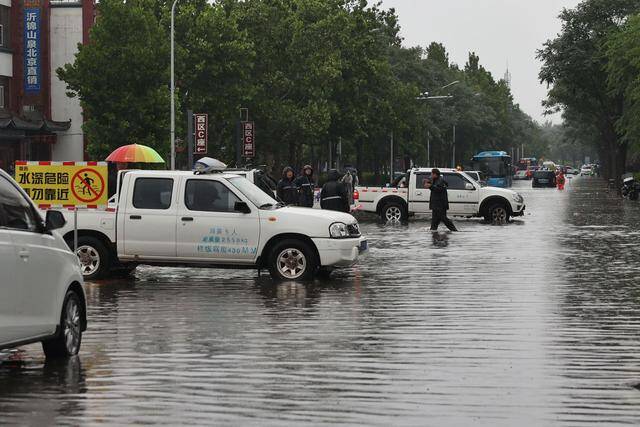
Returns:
<point x="266" y="205"/>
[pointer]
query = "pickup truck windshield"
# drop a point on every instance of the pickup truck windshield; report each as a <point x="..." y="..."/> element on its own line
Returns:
<point x="253" y="193"/>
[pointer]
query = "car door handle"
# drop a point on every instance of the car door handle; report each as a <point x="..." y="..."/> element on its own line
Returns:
<point x="187" y="218"/>
<point x="135" y="216"/>
<point x="418" y="193"/>
<point x="24" y="254"/>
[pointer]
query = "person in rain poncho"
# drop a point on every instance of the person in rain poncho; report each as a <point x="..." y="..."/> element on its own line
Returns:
<point x="347" y="180"/>
<point x="439" y="202"/>
<point x="306" y="187"/>
<point x="334" y="195"/>
<point x="287" y="190"/>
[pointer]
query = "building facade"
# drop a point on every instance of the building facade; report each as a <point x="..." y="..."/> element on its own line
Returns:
<point x="37" y="120"/>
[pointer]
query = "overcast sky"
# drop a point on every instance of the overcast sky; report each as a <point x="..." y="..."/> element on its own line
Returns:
<point x="499" y="31"/>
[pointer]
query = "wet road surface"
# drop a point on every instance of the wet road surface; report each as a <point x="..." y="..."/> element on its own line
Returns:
<point x="531" y="323"/>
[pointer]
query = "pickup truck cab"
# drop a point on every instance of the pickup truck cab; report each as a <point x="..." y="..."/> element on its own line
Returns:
<point x="467" y="198"/>
<point x="210" y="220"/>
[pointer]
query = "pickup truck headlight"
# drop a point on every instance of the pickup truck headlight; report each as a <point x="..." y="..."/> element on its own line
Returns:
<point x="517" y="197"/>
<point x="338" y="230"/>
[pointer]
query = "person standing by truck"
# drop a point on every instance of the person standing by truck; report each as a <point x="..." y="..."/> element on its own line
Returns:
<point x="306" y="187"/>
<point x="287" y="190"/>
<point x="439" y="202"/>
<point x="334" y="195"/>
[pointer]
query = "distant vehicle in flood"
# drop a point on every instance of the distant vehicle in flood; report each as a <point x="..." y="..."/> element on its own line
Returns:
<point x="496" y="166"/>
<point x="543" y="178"/>
<point x="520" y="175"/>
<point x="586" y="170"/>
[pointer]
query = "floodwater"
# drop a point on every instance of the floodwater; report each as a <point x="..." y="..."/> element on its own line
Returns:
<point x="532" y="323"/>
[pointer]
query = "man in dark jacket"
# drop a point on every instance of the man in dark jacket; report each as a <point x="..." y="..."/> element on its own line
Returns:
<point x="306" y="186"/>
<point x="334" y="195"/>
<point x="287" y="190"/>
<point x="439" y="202"/>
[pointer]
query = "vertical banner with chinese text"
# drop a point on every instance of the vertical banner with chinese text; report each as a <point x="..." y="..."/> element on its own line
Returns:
<point x="248" y="140"/>
<point x="32" y="54"/>
<point x="201" y="133"/>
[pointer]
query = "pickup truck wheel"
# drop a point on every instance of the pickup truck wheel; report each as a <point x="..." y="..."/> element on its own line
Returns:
<point x="67" y="342"/>
<point x="497" y="213"/>
<point x="292" y="260"/>
<point x="394" y="212"/>
<point x="94" y="257"/>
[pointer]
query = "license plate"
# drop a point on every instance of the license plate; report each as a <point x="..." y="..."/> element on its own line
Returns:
<point x="363" y="246"/>
<point x="543" y="181"/>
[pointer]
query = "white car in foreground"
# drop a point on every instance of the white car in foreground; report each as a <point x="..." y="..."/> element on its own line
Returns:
<point x="41" y="295"/>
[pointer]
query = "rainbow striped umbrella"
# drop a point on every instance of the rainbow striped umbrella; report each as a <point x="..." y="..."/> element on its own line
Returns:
<point x="135" y="153"/>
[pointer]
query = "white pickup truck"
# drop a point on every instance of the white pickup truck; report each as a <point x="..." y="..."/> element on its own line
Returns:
<point x="467" y="198"/>
<point x="216" y="219"/>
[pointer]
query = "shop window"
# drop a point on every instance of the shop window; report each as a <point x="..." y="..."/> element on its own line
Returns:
<point x="5" y="27"/>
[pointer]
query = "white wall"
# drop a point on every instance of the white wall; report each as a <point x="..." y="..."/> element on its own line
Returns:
<point x="6" y="64"/>
<point x="66" y="33"/>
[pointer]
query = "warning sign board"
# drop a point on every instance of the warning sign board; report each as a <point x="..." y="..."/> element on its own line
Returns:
<point x="64" y="184"/>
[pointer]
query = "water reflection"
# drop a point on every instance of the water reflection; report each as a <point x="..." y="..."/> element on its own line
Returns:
<point x="530" y="323"/>
<point x="59" y="387"/>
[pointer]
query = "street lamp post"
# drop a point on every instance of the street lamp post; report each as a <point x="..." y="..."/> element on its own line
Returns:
<point x="424" y="96"/>
<point x="453" y="154"/>
<point x="173" y="84"/>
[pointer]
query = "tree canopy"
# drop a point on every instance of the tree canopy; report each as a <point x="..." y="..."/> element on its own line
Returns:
<point x="589" y="70"/>
<point x="314" y="74"/>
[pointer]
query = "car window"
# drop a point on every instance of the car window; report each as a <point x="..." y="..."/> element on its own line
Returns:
<point x="455" y="181"/>
<point x="422" y="179"/>
<point x="153" y="193"/>
<point x="209" y="196"/>
<point x="15" y="210"/>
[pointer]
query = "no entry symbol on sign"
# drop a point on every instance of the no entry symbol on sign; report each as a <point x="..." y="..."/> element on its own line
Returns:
<point x="87" y="185"/>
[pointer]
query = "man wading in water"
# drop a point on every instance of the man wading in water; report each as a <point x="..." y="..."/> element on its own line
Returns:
<point x="439" y="202"/>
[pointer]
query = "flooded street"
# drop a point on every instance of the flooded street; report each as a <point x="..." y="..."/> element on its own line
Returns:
<point x="536" y="322"/>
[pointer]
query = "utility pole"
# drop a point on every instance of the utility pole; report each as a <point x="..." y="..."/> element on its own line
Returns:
<point x="428" y="149"/>
<point x="189" y="139"/>
<point x="330" y="165"/>
<point x="173" y="89"/>
<point x="391" y="163"/>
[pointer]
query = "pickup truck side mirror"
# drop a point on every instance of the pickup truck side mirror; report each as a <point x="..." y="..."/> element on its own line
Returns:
<point x="242" y="207"/>
<point x="54" y="220"/>
<point x="469" y="186"/>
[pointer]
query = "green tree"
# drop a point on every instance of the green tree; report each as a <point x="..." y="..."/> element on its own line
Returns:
<point x="575" y="68"/>
<point x="121" y="78"/>
<point x="623" y="67"/>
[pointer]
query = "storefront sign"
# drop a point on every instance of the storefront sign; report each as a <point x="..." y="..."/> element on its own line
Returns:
<point x="64" y="184"/>
<point x="32" y="55"/>
<point x="248" y="139"/>
<point x="202" y="133"/>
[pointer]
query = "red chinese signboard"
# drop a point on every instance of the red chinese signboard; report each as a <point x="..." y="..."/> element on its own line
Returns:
<point x="248" y="139"/>
<point x="201" y="136"/>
